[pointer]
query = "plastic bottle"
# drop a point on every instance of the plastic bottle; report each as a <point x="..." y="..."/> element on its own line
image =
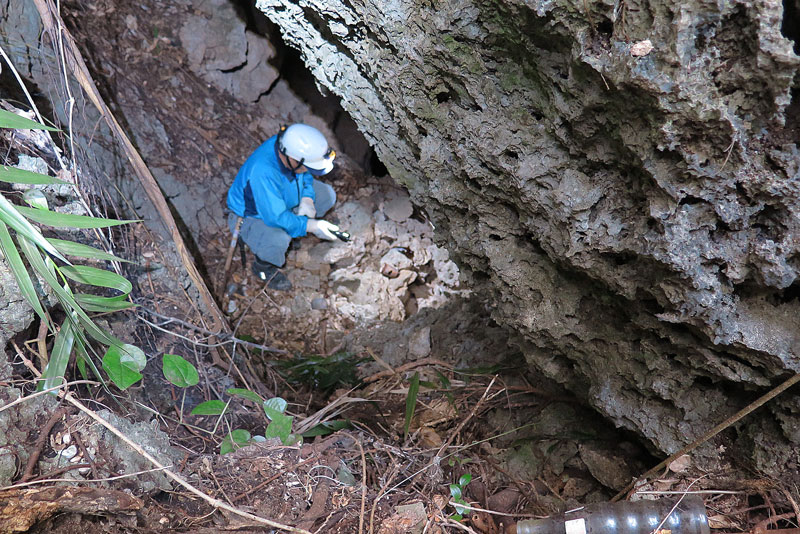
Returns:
<point x="639" y="517"/>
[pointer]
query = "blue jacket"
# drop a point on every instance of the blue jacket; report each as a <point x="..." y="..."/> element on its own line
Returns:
<point x="266" y="189"/>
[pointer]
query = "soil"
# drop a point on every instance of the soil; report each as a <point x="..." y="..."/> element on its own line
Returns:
<point x="528" y="447"/>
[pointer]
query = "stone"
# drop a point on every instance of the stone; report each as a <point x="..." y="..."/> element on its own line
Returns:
<point x="419" y="345"/>
<point x="122" y="458"/>
<point x="396" y="259"/>
<point x="300" y="305"/>
<point x="609" y="468"/>
<point x="319" y="303"/>
<point x="18" y="426"/>
<point x="398" y="206"/>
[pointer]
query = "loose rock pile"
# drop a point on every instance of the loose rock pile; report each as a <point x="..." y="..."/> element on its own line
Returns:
<point x="388" y="270"/>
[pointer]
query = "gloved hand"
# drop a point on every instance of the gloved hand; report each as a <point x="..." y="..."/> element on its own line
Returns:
<point x="322" y="229"/>
<point x="306" y="208"/>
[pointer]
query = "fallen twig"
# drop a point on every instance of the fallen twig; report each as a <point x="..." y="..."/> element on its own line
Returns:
<point x="45" y="392"/>
<point x="363" y="482"/>
<point x="20" y="509"/>
<point x="761" y="526"/>
<point x="41" y="441"/>
<point x="88" y="480"/>
<point x="711" y="433"/>
<point x="406" y="367"/>
<point x="224" y="338"/>
<point x="464" y="421"/>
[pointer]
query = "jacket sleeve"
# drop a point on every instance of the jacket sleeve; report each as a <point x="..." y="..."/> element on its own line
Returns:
<point x="272" y="209"/>
<point x="308" y="186"/>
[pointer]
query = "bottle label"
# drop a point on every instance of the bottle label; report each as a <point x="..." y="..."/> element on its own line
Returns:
<point x="575" y="526"/>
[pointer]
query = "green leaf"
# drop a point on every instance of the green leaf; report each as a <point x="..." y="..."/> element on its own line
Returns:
<point x="94" y="303"/>
<point x="212" y="407"/>
<point x="20" y="272"/>
<point x="12" y="120"/>
<point x="246" y="394"/>
<point x="443" y="380"/>
<point x="83" y="358"/>
<point x="274" y="407"/>
<point x="84" y="274"/>
<point x="35" y="198"/>
<point x="280" y="427"/>
<point x="129" y="354"/>
<point x="10" y="214"/>
<point x="345" y="476"/>
<point x="101" y="278"/>
<point x="65" y="297"/>
<point x="69" y="220"/>
<point x="179" y="371"/>
<point x="235" y="440"/>
<point x="455" y="491"/>
<point x="464" y="480"/>
<point x="122" y="369"/>
<point x="411" y="403"/>
<point x="71" y="248"/>
<point x="13" y="175"/>
<point x="81" y="362"/>
<point x="53" y="374"/>
<point x="328" y="427"/>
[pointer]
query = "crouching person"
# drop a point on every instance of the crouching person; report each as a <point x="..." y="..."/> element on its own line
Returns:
<point x="278" y="198"/>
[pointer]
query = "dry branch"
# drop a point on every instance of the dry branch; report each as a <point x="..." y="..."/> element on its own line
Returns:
<point x="20" y="509"/>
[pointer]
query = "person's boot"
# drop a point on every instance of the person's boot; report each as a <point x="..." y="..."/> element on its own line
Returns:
<point x="271" y="274"/>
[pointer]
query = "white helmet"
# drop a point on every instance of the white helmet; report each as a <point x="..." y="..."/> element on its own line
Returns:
<point x="308" y="146"/>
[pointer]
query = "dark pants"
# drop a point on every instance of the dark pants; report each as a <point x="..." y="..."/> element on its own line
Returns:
<point x="270" y="243"/>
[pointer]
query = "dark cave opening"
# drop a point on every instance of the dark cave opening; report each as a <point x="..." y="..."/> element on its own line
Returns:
<point x="290" y="64"/>
<point x="790" y="25"/>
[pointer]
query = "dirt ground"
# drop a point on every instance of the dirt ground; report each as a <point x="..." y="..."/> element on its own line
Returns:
<point x="428" y="400"/>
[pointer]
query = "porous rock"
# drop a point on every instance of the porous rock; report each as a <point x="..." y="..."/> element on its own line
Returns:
<point x="633" y="216"/>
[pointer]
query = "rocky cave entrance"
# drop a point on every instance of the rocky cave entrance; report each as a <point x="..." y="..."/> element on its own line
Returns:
<point x="199" y="85"/>
<point x="391" y="293"/>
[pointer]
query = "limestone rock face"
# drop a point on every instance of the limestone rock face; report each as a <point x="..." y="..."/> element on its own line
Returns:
<point x="622" y="177"/>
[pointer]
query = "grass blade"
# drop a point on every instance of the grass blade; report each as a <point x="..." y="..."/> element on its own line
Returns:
<point x="411" y="403"/>
<point x="84" y="359"/>
<point x="83" y="274"/>
<point x="66" y="298"/>
<point x="20" y="272"/>
<point x="53" y="374"/>
<point x="69" y="220"/>
<point x="94" y="303"/>
<point x="71" y="248"/>
<point x="12" y="120"/>
<point x="12" y="175"/>
<point x="10" y="214"/>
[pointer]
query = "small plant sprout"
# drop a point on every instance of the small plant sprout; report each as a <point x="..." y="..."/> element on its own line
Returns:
<point x="181" y="373"/>
<point x="457" y="494"/>
<point x="411" y="403"/>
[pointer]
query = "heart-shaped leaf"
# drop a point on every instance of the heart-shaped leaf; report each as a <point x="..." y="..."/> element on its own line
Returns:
<point x="122" y="373"/>
<point x="179" y="371"/>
